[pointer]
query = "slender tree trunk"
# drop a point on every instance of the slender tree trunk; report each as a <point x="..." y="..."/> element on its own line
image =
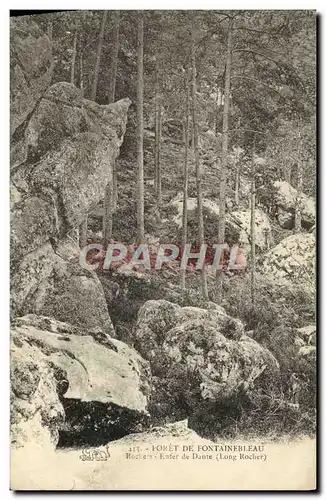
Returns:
<point x="107" y="215"/>
<point x="50" y="30"/>
<point x="115" y="58"/>
<point x="111" y="191"/>
<point x="81" y="71"/>
<point x="287" y="172"/>
<point x="197" y="162"/>
<point x="297" y="215"/>
<point x="237" y="169"/>
<point x="140" y="129"/>
<point x="185" y="180"/>
<point x="253" y="227"/>
<point x="98" y="56"/>
<point x="218" y="104"/>
<point x="224" y="160"/>
<point x="156" y="128"/>
<point x="158" y="133"/>
<point x="193" y="139"/>
<point x="113" y="80"/>
<point x="83" y="233"/>
<point x="73" y="58"/>
<point x="237" y="182"/>
<point x="83" y="226"/>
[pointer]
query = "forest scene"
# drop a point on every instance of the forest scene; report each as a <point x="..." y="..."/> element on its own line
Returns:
<point x="162" y="128"/>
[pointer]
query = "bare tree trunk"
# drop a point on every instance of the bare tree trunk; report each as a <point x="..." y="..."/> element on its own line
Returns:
<point x="253" y="227"/>
<point x="156" y="128"/>
<point x="50" y="30"/>
<point x="218" y="104"/>
<point x="107" y="214"/>
<point x="287" y="171"/>
<point x="224" y="160"/>
<point x="83" y="226"/>
<point x="237" y="168"/>
<point x="185" y="181"/>
<point x="197" y="163"/>
<point x="98" y="56"/>
<point x="193" y="139"/>
<point x="115" y="58"/>
<point x="111" y="191"/>
<point x="297" y="215"/>
<point x="81" y="71"/>
<point x="83" y="233"/>
<point x="237" y="182"/>
<point x="113" y="80"/>
<point x="158" y="133"/>
<point x="73" y="58"/>
<point x="140" y="129"/>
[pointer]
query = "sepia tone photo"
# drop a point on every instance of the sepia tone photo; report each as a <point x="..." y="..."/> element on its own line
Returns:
<point x="163" y="282"/>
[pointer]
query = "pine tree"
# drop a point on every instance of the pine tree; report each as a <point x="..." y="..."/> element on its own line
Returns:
<point x="224" y="160"/>
<point x="185" y="177"/>
<point x="98" y="56"/>
<point x="140" y="128"/>
<point x="201" y="239"/>
<point x="110" y="197"/>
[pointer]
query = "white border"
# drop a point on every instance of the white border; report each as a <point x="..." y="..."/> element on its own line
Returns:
<point x="4" y="173"/>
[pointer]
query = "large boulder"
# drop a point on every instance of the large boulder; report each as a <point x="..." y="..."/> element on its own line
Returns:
<point x="237" y="222"/>
<point x="293" y="258"/>
<point x="47" y="284"/>
<point x="305" y="341"/>
<point x="241" y="223"/>
<point x="96" y="389"/>
<point x="203" y="352"/>
<point x="70" y="145"/>
<point x="286" y="200"/>
<point x="31" y="66"/>
<point x="36" y="411"/>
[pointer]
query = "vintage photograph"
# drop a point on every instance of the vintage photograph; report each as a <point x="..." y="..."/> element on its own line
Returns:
<point x="163" y="241"/>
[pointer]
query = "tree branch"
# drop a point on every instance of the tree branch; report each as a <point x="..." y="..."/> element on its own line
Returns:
<point x="250" y="51"/>
<point x="260" y="83"/>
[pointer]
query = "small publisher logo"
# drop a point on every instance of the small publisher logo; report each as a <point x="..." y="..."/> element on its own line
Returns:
<point x="93" y="455"/>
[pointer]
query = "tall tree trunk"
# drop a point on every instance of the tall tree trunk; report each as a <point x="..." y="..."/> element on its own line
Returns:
<point x="115" y="56"/>
<point x="83" y="226"/>
<point x="156" y="127"/>
<point x="83" y="233"/>
<point x="224" y="160"/>
<point x="237" y="182"/>
<point x="158" y="133"/>
<point x="113" y="80"/>
<point x="98" y="56"/>
<point x="193" y="139"/>
<point x="50" y="30"/>
<point x="111" y="191"/>
<point x="81" y="72"/>
<point x="185" y="180"/>
<point x="140" y="129"/>
<point x="197" y="162"/>
<point x="253" y="227"/>
<point x="107" y="214"/>
<point x="237" y="169"/>
<point x="287" y="172"/>
<point x="73" y="58"/>
<point x="218" y="104"/>
<point x="297" y="215"/>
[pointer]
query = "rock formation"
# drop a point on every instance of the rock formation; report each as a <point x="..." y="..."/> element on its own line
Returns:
<point x="293" y="258"/>
<point x="63" y="352"/>
<point x="205" y="347"/>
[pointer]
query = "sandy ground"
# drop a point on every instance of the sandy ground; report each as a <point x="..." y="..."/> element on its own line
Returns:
<point x="281" y="466"/>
